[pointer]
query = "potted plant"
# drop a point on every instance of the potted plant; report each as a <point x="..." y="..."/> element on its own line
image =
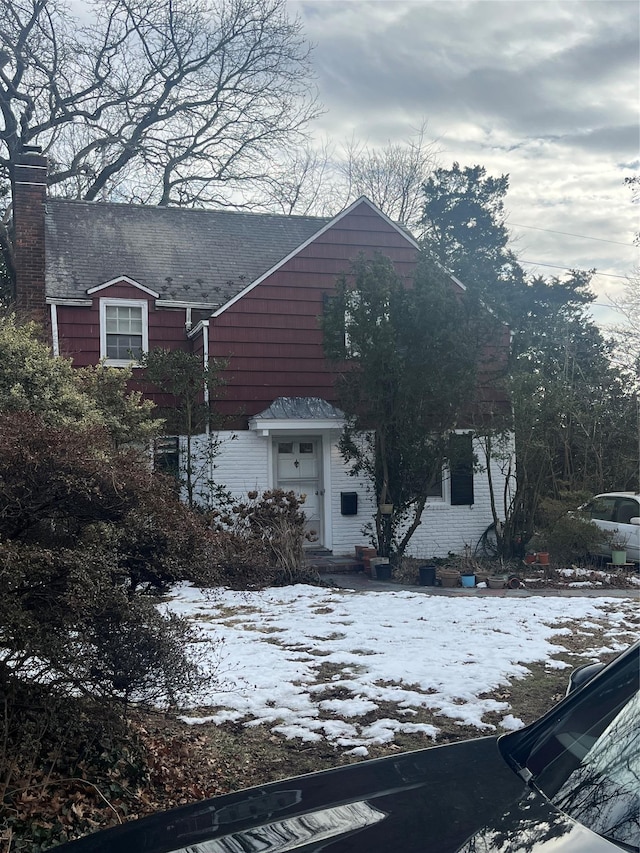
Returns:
<point x="539" y="546"/>
<point x="364" y="555"/>
<point x="468" y="568"/>
<point x="380" y="568"/>
<point x="449" y="577"/>
<point x="618" y="549"/>
<point x="542" y="557"/>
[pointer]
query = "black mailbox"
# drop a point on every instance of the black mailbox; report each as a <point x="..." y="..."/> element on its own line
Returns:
<point x="349" y="503"/>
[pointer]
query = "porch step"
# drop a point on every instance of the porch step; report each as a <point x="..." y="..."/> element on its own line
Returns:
<point x="324" y="562"/>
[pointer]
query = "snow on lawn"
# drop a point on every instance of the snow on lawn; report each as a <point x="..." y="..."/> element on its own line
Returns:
<point x="275" y="649"/>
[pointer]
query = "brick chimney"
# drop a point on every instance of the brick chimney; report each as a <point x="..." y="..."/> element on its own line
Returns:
<point x="29" y="195"/>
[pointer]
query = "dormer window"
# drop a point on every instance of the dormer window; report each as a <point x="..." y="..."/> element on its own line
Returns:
<point x="124" y="330"/>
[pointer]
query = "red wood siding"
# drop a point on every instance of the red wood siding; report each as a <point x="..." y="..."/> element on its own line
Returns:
<point x="79" y="328"/>
<point x="272" y="337"/>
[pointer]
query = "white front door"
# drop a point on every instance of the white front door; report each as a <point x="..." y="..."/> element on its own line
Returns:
<point x="299" y="470"/>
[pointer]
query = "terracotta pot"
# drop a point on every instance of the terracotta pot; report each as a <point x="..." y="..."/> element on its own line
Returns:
<point x="449" y="579"/>
<point x="543" y="558"/>
<point x="497" y="582"/>
<point x="529" y="558"/>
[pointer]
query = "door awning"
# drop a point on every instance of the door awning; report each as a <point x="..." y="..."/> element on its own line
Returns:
<point x="296" y="414"/>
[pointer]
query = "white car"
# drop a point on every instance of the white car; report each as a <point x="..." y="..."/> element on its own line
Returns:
<point x="619" y="514"/>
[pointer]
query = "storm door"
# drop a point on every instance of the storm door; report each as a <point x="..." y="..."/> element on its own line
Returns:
<point x="299" y="469"/>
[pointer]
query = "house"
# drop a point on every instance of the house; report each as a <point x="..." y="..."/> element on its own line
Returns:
<point x="111" y="279"/>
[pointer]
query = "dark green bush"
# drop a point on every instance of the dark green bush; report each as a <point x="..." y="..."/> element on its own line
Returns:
<point x="572" y="539"/>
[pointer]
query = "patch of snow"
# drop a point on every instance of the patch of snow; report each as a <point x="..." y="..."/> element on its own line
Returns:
<point x="358" y="750"/>
<point x="511" y="723"/>
<point x="556" y="664"/>
<point x="396" y="647"/>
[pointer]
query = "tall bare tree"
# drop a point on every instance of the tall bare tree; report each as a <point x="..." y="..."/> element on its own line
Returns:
<point x="626" y="332"/>
<point x="174" y="102"/>
<point x="303" y="181"/>
<point x="392" y="176"/>
<point x="321" y="178"/>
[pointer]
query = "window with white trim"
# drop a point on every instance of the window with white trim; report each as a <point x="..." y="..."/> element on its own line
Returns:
<point x="435" y="488"/>
<point x="124" y="330"/>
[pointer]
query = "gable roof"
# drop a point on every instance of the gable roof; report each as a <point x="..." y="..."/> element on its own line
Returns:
<point x="201" y="257"/>
<point x="363" y="200"/>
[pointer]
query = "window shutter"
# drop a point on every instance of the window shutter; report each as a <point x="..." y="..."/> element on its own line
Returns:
<point x="461" y="467"/>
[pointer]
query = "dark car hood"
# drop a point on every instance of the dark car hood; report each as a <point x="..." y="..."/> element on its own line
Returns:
<point x="462" y="797"/>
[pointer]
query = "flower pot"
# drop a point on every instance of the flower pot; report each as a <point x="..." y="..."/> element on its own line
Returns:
<point x="449" y="578"/>
<point x="363" y="555"/>
<point x="427" y="575"/>
<point x="374" y="562"/>
<point x="383" y="572"/>
<point x="618" y="558"/>
<point x="529" y="558"/>
<point x="543" y="558"/>
<point x="468" y="580"/>
<point x="497" y="581"/>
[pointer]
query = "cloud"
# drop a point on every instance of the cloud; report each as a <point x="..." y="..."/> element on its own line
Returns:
<point x="546" y="92"/>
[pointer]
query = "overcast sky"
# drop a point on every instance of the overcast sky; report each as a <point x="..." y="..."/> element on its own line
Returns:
<point x="547" y="92"/>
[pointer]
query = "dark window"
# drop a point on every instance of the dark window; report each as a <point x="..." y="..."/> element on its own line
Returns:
<point x="627" y="509"/>
<point x="434" y="489"/>
<point x="603" y="508"/>
<point x="166" y="455"/>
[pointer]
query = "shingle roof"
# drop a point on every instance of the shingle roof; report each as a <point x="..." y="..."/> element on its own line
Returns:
<point x="185" y="255"/>
<point x="301" y="408"/>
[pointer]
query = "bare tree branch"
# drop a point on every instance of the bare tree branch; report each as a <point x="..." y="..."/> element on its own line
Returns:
<point x="193" y="96"/>
<point x="392" y="177"/>
<point x="626" y="333"/>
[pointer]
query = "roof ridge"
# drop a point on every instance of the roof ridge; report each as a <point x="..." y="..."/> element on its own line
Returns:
<point x="173" y="209"/>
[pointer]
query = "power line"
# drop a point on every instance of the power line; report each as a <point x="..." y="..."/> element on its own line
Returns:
<point x="565" y="267"/>
<point x="570" y="234"/>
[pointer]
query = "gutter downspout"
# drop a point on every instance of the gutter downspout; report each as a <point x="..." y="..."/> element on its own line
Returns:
<point x="205" y="365"/>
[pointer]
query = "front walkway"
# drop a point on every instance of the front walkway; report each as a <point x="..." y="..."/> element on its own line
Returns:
<point x="360" y="581"/>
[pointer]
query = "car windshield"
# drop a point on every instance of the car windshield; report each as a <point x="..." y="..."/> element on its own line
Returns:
<point x="587" y="760"/>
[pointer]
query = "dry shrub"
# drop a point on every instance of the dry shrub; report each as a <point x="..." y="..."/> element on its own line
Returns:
<point x="260" y="541"/>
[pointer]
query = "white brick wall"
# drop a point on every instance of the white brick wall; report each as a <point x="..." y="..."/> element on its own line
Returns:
<point x="243" y="463"/>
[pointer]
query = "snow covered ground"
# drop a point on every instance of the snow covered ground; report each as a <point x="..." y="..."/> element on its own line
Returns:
<point x="311" y="662"/>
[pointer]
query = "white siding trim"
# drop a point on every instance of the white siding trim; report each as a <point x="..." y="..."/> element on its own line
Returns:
<point x="73" y="303"/>
<point x="126" y="280"/>
<point x="55" y="341"/>
<point x="179" y="303"/>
